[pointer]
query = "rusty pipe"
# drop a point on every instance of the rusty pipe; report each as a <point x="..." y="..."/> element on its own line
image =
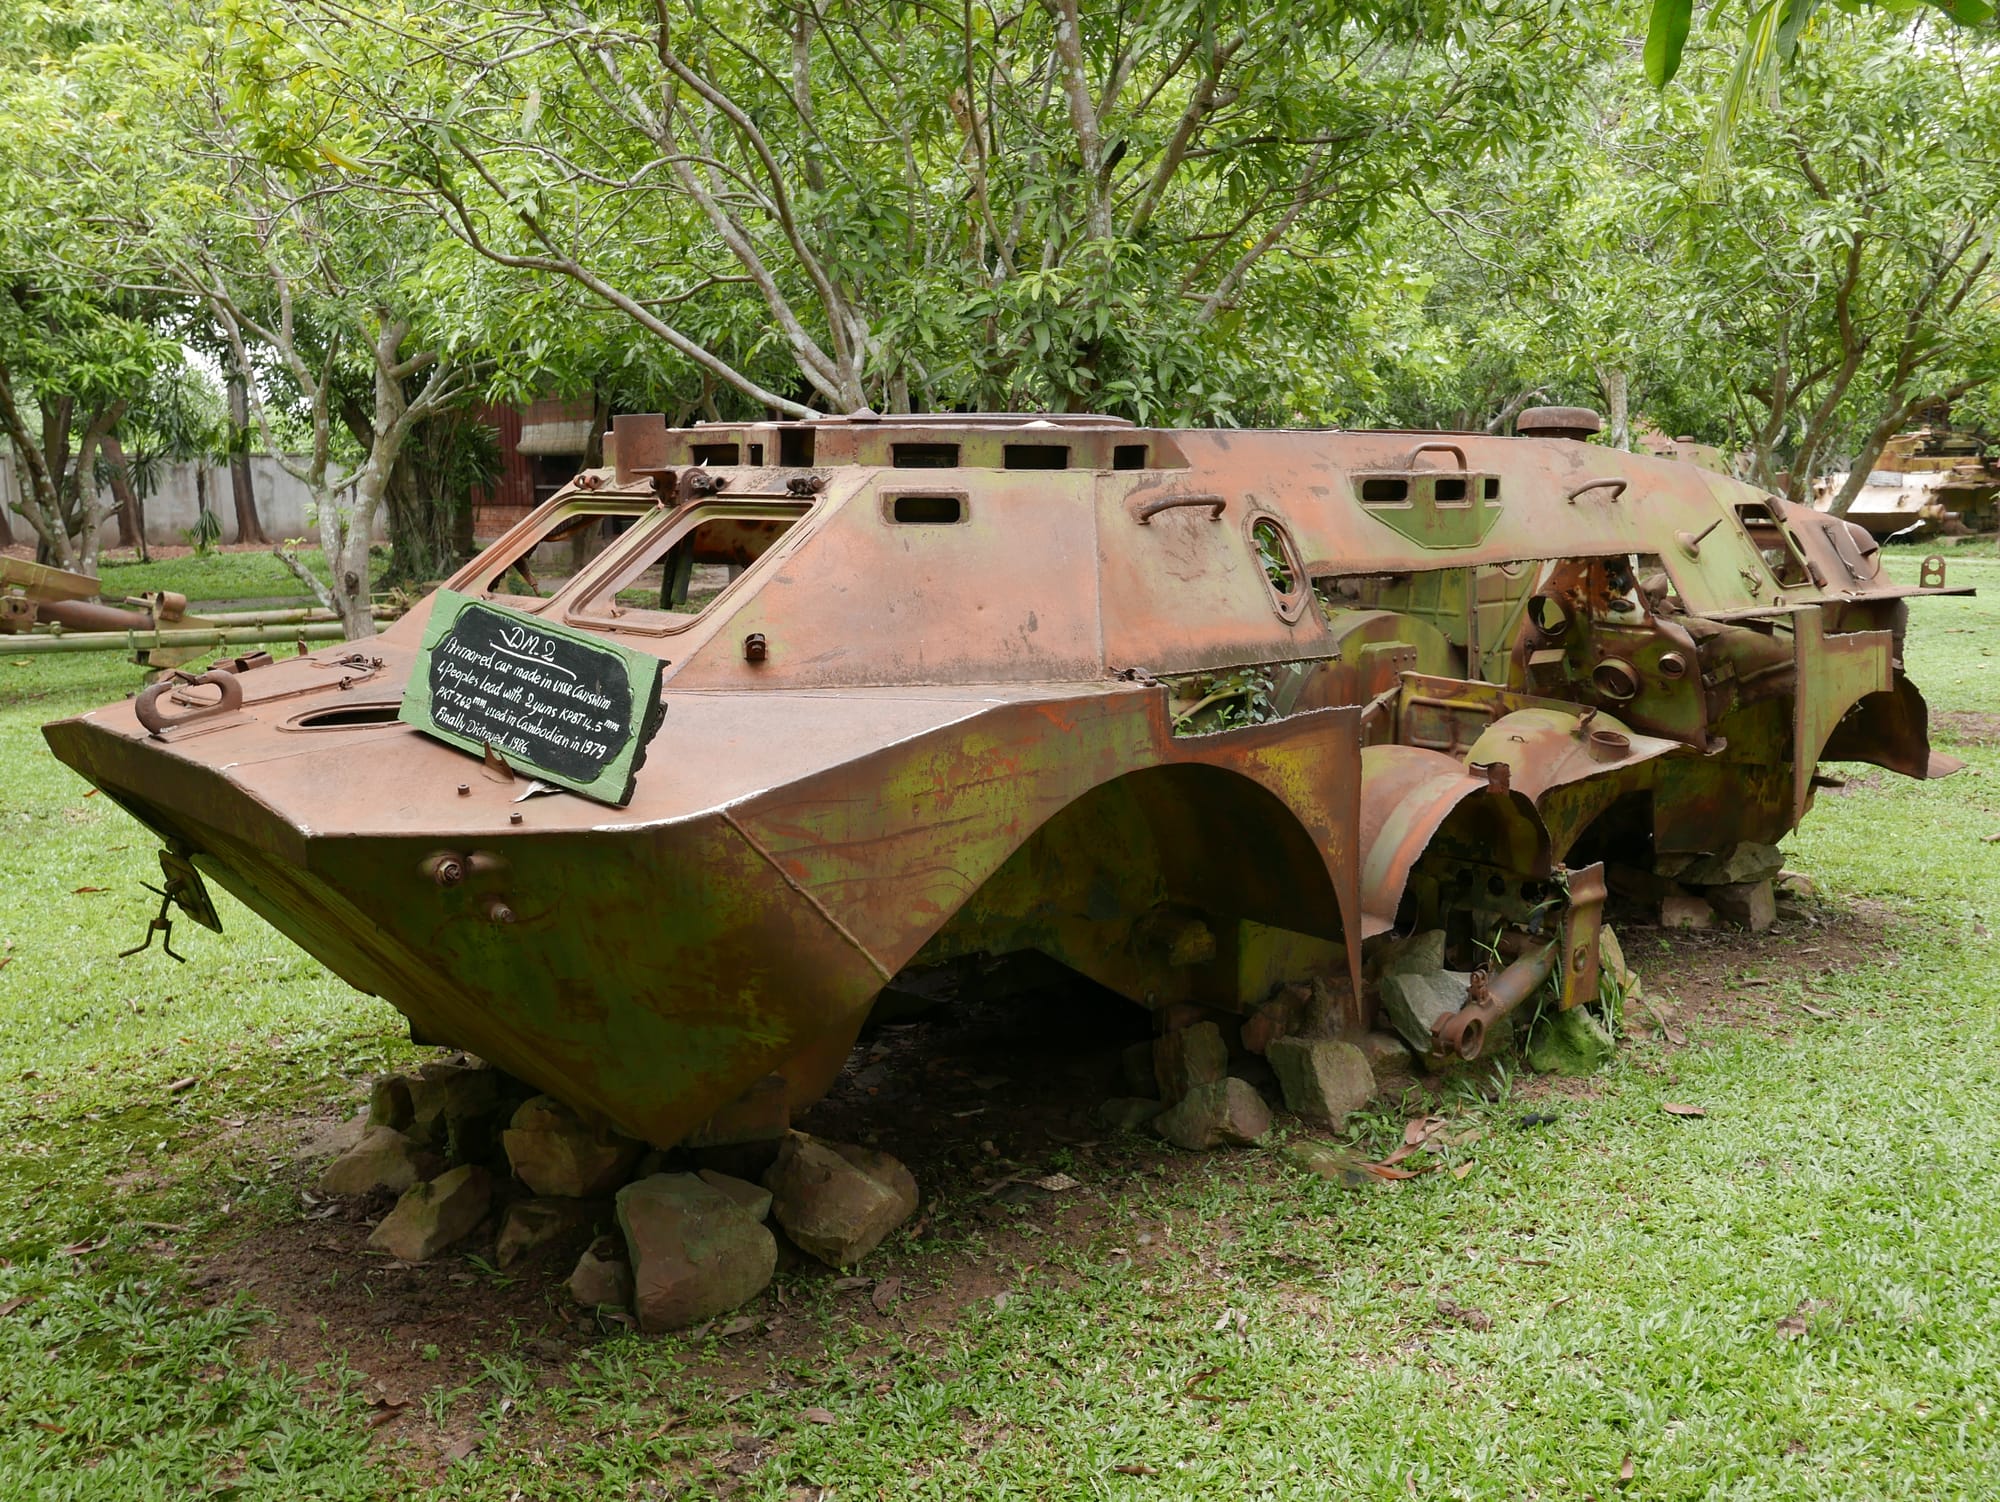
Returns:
<point x="299" y="616"/>
<point x="1464" y="1031"/>
<point x="95" y="615"/>
<point x="91" y="615"/>
<point x="148" y="640"/>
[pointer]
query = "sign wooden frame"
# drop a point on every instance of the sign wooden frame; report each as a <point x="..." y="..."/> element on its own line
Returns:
<point x="560" y="704"/>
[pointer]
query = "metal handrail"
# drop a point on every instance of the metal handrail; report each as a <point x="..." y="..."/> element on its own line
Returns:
<point x="1173" y="502"/>
<point x="1616" y="485"/>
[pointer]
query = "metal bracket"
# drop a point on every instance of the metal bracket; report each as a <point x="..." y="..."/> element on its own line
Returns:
<point x="161" y="925"/>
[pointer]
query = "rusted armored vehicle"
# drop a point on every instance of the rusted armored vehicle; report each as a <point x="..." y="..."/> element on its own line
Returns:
<point x="650" y="803"/>
<point x="1930" y="481"/>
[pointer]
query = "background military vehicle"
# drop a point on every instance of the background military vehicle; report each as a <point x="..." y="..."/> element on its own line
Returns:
<point x="1929" y="481"/>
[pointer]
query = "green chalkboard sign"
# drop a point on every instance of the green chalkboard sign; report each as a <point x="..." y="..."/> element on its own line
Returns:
<point x="560" y="704"/>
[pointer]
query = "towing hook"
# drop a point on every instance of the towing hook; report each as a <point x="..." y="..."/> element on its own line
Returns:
<point x="1464" y="1031"/>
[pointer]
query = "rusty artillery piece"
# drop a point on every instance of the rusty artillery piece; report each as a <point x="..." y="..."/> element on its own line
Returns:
<point x="50" y="610"/>
<point x="1200" y="714"/>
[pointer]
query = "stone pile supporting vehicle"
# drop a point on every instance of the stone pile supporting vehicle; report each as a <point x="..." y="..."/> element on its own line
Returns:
<point x="657" y="796"/>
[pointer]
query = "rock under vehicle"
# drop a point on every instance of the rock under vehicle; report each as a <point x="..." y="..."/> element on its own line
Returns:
<point x="1197" y="713"/>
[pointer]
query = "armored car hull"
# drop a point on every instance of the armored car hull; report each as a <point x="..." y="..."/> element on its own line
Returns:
<point x="1199" y="714"/>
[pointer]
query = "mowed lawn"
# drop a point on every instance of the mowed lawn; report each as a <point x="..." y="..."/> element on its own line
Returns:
<point x="1792" y="1296"/>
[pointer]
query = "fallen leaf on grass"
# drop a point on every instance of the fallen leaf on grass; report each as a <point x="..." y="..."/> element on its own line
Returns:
<point x="841" y="1285"/>
<point x="387" y="1410"/>
<point x="1812" y="1011"/>
<point x="1390" y="1171"/>
<point x="85" y="891"/>
<point x="885" y="1294"/>
<point x="1625" y="1471"/>
<point x="1195" y="1382"/>
<point x="1663" y="1019"/>
<point x="6" y="960"/>
<point x="51" y="1428"/>
<point x="18" y="1301"/>
<point x="1461" y="1171"/>
<point x="817" y="1416"/>
<point x="83" y="1248"/>
<point x="458" y="1449"/>
<point x="1056" y="1183"/>
<point x="187" y="1082"/>
<point x="1135" y="1468"/>
<point x="739" y="1326"/>
<point x="1675" y="1108"/>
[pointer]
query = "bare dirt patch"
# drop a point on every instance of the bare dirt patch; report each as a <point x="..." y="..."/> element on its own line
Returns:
<point x="1960" y="727"/>
<point x="1730" y="978"/>
<point x="982" y="1100"/>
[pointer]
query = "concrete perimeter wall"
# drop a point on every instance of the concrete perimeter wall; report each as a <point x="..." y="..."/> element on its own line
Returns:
<point x="170" y="510"/>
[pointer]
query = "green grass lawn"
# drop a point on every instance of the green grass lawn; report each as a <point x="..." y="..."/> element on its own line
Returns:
<point x="247" y="575"/>
<point x="1793" y="1297"/>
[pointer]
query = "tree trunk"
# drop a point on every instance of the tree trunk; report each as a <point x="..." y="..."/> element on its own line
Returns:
<point x="350" y="583"/>
<point x="463" y="543"/>
<point x="84" y="510"/>
<point x="248" y="527"/>
<point x="131" y="506"/>
<point x="1617" y="399"/>
<point x="412" y="547"/>
<point x="40" y="506"/>
<point x="122" y="507"/>
<point x="1887" y="427"/>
